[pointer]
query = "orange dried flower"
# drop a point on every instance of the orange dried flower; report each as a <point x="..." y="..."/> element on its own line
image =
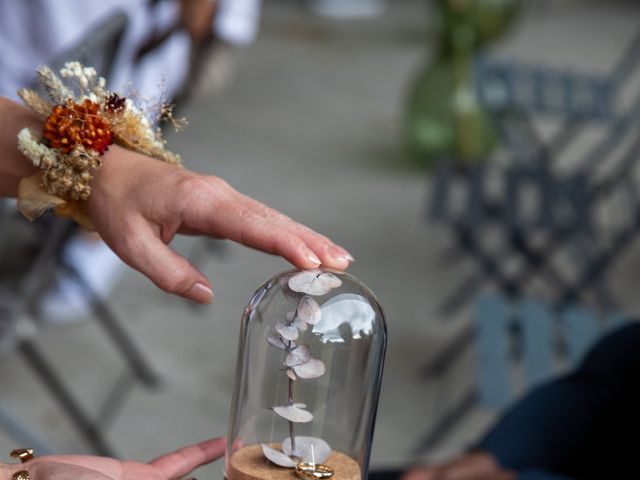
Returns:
<point x="74" y="124"/>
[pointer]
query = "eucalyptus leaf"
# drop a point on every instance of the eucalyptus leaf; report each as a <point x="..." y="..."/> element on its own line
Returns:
<point x="298" y="356"/>
<point x="293" y="318"/>
<point x="277" y="457"/>
<point x="308" y="449"/>
<point x="286" y="291"/>
<point x="294" y="414"/>
<point x="300" y="324"/>
<point x="309" y="310"/>
<point x="278" y="342"/>
<point x="287" y="331"/>
<point x="314" y="282"/>
<point x="314" y="368"/>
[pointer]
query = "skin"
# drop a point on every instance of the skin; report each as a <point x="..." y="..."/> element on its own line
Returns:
<point x="170" y="466"/>
<point x="139" y="204"/>
<point x="477" y="465"/>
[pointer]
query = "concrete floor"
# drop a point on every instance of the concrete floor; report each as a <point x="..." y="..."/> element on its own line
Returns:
<point x="311" y="126"/>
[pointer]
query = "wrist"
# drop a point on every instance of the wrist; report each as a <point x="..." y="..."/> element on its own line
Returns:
<point x="82" y="119"/>
<point x="15" y="166"/>
<point x="123" y="176"/>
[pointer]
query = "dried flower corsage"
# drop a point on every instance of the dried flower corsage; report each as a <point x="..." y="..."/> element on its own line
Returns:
<point x="81" y="119"/>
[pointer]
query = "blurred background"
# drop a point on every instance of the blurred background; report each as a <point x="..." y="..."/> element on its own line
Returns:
<point x="479" y="160"/>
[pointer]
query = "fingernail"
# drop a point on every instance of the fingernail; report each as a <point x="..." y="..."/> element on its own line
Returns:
<point x="313" y="258"/>
<point x="200" y="293"/>
<point x="341" y="255"/>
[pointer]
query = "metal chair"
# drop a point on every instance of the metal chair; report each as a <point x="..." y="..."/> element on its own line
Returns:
<point x="518" y="344"/>
<point x="36" y="273"/>
<point x="531" y="241"/>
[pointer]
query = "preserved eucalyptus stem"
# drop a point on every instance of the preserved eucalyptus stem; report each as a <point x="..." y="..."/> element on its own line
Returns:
<point x="299" y="363"/>
<point x="291" y="425"/>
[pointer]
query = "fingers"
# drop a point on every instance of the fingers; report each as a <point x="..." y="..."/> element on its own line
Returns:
<point x="329" y="254"/>
<point x="243" y="225"/>
<point x="141" y="249"/>
<point x="229" y="214"/>
<point x="181" y="462"/>
<point x="423" y="473"/>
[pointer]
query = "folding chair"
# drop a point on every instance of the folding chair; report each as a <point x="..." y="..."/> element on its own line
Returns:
<point x="37" y="275"/>
<point x="524" y="262"/>
<point x="21" y="297"/>
<point x="562" y="199"/>
<point x="518" y="345"/>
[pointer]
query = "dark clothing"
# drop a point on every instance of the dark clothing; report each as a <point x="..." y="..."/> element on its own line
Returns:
<point x="585" y="425"/>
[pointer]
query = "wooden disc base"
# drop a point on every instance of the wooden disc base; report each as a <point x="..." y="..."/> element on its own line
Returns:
<point x="249" y="463"/>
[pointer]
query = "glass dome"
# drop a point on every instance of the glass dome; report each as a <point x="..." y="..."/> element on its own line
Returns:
<point x="312" y="345"/>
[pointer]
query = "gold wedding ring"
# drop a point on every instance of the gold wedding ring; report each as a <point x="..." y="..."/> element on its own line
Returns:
<point x="21" y="475"/>
<point x="313" y="471"/>
<point x="24" y="454"/>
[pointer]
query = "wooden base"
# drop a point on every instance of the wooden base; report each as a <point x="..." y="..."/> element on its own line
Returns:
<point x="249" y="463"/>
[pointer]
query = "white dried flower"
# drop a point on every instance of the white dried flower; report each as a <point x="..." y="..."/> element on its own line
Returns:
<point x="57" y="91"/>
<point x="86" y="77"/>
<point x="40" y="155"/>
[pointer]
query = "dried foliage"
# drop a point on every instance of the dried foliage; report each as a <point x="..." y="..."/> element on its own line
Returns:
<point x="82" y="118"/>
<point x="299" y="363"/>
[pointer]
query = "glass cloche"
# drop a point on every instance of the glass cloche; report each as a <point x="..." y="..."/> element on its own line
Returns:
<point x="312" y="345"/>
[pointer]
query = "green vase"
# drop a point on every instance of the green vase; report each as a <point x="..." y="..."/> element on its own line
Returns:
<point x="445" y="118"/>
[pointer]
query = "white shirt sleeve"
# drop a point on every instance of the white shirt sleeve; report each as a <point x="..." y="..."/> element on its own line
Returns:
<point x="237" y="21"/>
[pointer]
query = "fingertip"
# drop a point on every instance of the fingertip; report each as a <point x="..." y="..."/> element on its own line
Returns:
<point x="214" y="447"/>
<point x="312" y="258"/>
<point x="337" y="258"/>
<point x="341" y="254"/>
<point x="200" y="293"/>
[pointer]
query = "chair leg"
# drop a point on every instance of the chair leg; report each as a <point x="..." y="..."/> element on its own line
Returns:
<point x="113" y="328"/>
<point x="65" y="399"/>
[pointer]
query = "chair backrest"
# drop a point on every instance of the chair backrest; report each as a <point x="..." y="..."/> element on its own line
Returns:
<point x="99" y="49"/>
<point x="522" y="343"/>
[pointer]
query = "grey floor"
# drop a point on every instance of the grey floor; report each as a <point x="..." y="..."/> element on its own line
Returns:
<point x="311" y="126"/>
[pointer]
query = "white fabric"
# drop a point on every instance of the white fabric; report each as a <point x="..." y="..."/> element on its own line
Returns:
<point x="32" y="32"/>
<point x="237" y="21"/>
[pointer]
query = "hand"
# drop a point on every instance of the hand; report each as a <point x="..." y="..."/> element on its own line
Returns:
<point x="197" y="17"/>
<point x="171" y="466"/>
<point x="138" y="205"/>
<point x="477" y="465"/>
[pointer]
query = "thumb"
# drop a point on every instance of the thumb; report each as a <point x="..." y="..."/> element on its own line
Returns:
<point x="145" y="252"/>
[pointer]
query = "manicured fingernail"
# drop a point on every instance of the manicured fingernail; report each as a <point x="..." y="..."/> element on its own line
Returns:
<point x="341" y="255"/>
<point x="200" y="293"/>
<point x="313" y="258"/>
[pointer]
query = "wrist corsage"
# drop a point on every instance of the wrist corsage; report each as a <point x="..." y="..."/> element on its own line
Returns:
<point x="81" y="120"/>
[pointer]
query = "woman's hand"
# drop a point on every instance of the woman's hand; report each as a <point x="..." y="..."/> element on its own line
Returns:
<point x="138" y="204"/>
<point x="171" y="466"/>
<point x="476" y="465"/>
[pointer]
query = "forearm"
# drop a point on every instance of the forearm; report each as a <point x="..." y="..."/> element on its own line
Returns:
<point x="13" y="165"/>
